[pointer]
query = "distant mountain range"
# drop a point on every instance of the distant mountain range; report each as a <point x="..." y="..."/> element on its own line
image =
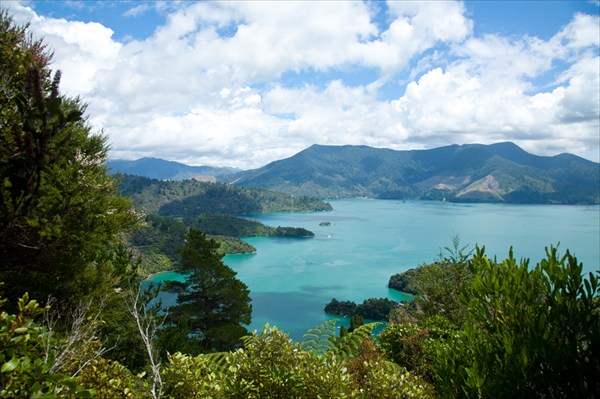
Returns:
<point x="157" y="168"/>
<point x="501" y="172"/>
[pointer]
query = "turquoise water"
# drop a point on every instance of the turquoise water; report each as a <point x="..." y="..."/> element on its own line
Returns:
<point x="291" y="280"/>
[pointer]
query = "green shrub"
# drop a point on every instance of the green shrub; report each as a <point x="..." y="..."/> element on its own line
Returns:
<point x="533" y="332"/>
<point x="25" y="360"/>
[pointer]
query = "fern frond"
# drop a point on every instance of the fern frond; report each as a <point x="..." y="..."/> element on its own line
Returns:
<point x="247" y="340"/>
<point x="217" y="362"/>
<point x="250" y="339"/>
<point x="350" y="344"/>
<point x="321" y="338"/>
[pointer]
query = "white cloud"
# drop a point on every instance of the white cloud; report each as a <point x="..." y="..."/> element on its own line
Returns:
<point x="80" y="49"/>
<point x="206" y="88"/>
<point x="583" y="31"/>
<point x="416" y="27"/>
<point x="137" y="10"/>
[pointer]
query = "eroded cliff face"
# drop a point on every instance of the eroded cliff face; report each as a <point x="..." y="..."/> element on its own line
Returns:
<point x="486" y="188"/>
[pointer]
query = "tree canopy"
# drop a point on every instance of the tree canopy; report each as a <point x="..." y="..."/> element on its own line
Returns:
<point x="59" y="209"/>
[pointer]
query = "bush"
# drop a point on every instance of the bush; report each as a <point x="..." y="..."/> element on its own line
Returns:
<point x="272" y="366"/>
<point x="26" y="365"/>
<point x="532" y="332"/>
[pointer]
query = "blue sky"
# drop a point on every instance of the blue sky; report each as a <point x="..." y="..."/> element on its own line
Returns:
<point x="246" y="83"/>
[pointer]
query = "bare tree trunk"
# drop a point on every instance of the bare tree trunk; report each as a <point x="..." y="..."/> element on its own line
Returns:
<point x="81" y="344"/>
<point x="147" y="321"/>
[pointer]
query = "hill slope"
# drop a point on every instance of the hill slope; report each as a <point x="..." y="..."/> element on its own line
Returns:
<point x="157" y="168"/>
<point x="189" y="198"/>
<point x="501" y="172"/>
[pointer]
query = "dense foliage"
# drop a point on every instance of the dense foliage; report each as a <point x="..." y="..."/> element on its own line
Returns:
<point x="272" y="366"/>
<point x="188" y="198"/>
<point x="269" y="365"/>
<point x="59" y="210"/>
<point x="533" y="331"/>
<point x="512" y="330"/>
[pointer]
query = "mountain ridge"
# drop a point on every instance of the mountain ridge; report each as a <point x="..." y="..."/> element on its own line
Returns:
<point x="158" y="168"/>
<point x="500" y="172"/>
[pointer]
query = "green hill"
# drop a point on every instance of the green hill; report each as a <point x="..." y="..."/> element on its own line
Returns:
<point x="188" y="198"/>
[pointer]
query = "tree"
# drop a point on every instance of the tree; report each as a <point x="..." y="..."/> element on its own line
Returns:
<point x="355" y="322"/>
<point x="60" y="212"/>
<point x="212" y="303"/>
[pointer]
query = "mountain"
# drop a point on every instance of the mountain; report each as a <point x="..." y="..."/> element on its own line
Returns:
<point x="501" y="172"/>
<point x="157" y="168"/>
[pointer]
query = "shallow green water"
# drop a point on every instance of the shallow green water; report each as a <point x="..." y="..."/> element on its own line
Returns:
<point x="291" y="280"/>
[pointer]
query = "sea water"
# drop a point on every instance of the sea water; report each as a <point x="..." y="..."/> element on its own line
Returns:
<point x="364" y="242"/>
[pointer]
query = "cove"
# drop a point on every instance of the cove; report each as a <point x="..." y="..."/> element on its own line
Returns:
<point x="291" y="280"/>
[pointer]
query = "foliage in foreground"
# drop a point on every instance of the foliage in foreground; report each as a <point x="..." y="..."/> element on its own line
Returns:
<point x="60" y="213"/>
<point x="272" y="366"/>
<point x="529" y="332"/>
<point x="533" y="331"/>
<point x="524" y="332"/>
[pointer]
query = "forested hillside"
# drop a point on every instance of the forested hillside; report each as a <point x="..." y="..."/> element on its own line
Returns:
<point x="189" y="198"/>
<point x="500" y="172"/>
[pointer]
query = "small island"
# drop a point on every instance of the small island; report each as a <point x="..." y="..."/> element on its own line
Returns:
<point x="296" y="232"/>
<point x="325" y="224"/>
<point x="371" y="309"/>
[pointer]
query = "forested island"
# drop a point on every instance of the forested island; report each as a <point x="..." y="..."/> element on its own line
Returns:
<point x="372" y="308"/>
<point x="76" y="323"/>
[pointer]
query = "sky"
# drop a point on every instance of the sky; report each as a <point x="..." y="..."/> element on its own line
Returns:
<point x="245" y="83"/>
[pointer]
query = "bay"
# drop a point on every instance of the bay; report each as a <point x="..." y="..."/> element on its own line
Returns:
<point x="367" y="241"/>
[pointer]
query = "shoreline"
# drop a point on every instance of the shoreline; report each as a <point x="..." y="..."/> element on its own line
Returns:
<point x="150" y="275"/>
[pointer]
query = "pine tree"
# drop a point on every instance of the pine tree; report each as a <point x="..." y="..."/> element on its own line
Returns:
<point x="211" y="304"/>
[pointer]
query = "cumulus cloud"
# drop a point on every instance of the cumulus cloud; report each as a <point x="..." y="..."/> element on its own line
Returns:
<point x="206" y="87"/>
<point x="80" y="49"/>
